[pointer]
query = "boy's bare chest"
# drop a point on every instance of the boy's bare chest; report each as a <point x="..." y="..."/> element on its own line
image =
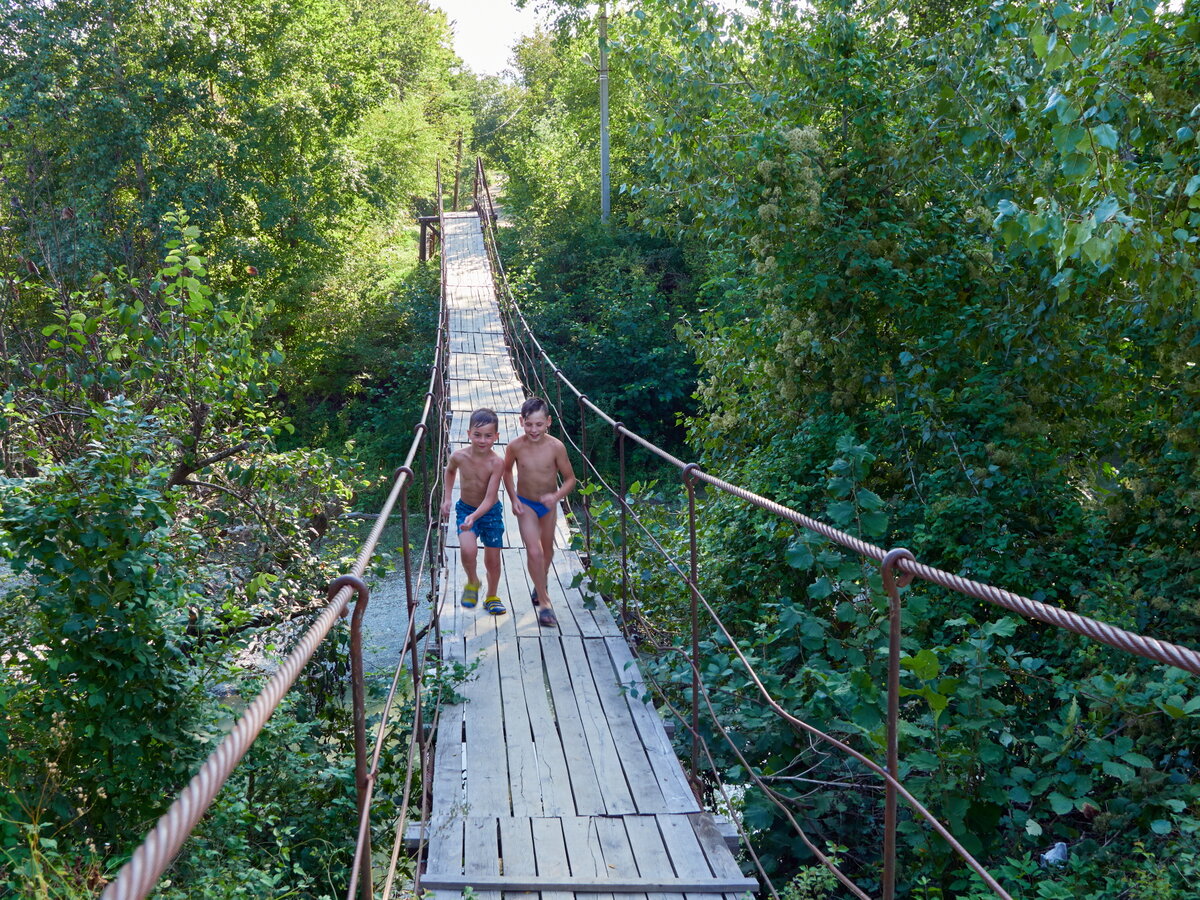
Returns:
<point x="537" y="468"/>
<point x="477" y="472"/>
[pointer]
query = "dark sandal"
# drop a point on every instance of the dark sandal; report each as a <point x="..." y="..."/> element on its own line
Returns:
<point x="547" y="619"/>
<point x="533" y="596"/>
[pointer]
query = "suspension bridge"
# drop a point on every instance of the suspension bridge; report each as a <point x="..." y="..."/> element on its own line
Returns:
<point x="550" y="776"/>
<point x="547" y="772"/>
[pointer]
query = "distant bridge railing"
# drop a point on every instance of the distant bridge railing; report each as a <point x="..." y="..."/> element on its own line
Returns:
<point x="898" y="568"/>
<point x="138" y="877"/>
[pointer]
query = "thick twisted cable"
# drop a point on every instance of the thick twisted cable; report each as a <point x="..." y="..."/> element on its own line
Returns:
<point x="1151" y="648"/>
<point x="1131" y="642"/>
<point x="138" y="876"/>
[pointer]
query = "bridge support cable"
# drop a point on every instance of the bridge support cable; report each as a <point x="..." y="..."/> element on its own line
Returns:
<point x="899" y="568"/>
<point x="138" y="877"/>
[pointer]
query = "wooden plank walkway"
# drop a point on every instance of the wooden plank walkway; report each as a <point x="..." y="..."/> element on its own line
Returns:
<point x="549" y="779"/>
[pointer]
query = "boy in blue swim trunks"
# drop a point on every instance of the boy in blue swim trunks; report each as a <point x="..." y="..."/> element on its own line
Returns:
<point x="540" y="459"/>
<point x="479" y="512"/>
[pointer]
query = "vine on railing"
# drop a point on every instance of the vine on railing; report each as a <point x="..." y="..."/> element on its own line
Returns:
<point x="898" y="568"/>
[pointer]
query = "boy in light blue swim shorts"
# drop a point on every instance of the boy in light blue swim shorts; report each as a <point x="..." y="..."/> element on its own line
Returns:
<point x="479" y="513"/>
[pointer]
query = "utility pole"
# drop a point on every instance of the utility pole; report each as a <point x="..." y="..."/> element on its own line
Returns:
<point x="457" y="172"/>
<point x="604" y="204"/>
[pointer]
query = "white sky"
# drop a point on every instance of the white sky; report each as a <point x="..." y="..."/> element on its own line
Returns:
<point x="485" y="31"/>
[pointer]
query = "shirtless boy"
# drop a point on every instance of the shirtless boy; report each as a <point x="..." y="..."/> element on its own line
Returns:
<point x="540" y="459"/>
<point x="479" y="512"/>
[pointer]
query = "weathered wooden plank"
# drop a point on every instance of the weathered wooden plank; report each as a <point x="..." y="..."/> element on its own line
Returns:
<point x="554" y="779"/>
<point x="584" y="853"/>
<point x="649" y="852"/>
<point x="516" y="853"/>
<point x="606" y="624"/>
<point x="688" y="856"/>
<point x="487" y="770"/>
<point x="618" y="854"/>
<point x="525" y="783"/>
<point x="481" y="858"/>
<point x="652" y="733"/>
<point x="516" y="585"/>
<point x="447" y="794"/>
<point x="582" y="770"/>
<point x="640" y="775"/>
<point x="445" y="854"/>
<point x="581" y="690"/>
<point x="550" y="853"/>
<point x="581" y="617"/>
<point x="563" y="610"/>
<point x="715" y="847"/>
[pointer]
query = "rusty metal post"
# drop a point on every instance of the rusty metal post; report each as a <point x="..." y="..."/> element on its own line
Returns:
<point x="695" y="611"/>
<point x="892" y="585"/>
<point x="362" y="786"/>
<point x="587" y="508"/>
<point x="619" y="428"/>
<point x="422" y="253"/>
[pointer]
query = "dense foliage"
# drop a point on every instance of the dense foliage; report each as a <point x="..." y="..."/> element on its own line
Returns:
<point x="211" y="329"/>
<point x="941" y="288"/>
<point x="926" y="270"/>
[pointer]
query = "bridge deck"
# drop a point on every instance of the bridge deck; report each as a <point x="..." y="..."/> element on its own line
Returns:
<point x="549" y="777"/>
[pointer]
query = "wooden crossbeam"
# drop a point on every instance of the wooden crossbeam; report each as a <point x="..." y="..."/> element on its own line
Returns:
<point x="433" y="881"/>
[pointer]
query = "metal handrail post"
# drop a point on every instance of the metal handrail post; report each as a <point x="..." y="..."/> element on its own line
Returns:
<point x="587" y="509"/>
<point x="362" y="782"/>
<point x="695" y="613"/>
<point x="620" y="430"/>
<point x="891" y="799"/>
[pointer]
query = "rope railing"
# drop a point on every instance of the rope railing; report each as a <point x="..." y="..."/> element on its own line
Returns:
<point x="150" y="860"/>
<point x="899" y="567"/>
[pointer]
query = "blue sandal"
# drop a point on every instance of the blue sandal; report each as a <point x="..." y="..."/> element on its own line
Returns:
<point x="470" y="596"/>
<point x="495" y="606"/>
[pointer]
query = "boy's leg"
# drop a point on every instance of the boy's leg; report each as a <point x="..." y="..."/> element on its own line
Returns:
<point x="469" y="552"/>
<point x="531" y="535"/>
<point x="546" y="536"/>
<point x="491" y="562"/>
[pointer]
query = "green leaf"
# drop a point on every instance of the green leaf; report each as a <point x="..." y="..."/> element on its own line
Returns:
<point x="799" y="555"/>
<point x="1106" y="136"/>
<point x="874" y="524"/>
<point x="924" y="665"/>
<point x="1160" y="826"/>
<point x="820" y="589"/>
<point x="1117" y="770"/>
<point x="1060" y="804"/>
<point x="1106" y="209"/>
<point x="841" y="512"/>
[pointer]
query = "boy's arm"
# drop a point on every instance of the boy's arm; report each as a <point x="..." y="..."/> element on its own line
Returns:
<point x="451" y="472"/>
<point x="510" y="457"/>
<point x="563" y="463"/>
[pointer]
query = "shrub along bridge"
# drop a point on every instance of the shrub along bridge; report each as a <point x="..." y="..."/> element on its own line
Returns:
<point x="550" y="773"/>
